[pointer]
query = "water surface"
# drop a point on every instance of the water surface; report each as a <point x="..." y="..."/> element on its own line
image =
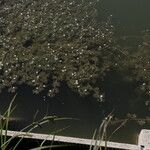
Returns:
<point x="130" y="18"/>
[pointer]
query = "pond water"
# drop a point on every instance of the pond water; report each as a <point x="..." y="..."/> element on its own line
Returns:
<point x="130" y="18"/>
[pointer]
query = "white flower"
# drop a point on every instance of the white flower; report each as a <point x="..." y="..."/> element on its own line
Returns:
<point x="33" y="81"/>
<point x="76" y="82"/>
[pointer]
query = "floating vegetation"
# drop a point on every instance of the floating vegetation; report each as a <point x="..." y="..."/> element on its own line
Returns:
<point x="141" y="63"/>
<point x="46" y="43"/>
<point x="131" y="117"/>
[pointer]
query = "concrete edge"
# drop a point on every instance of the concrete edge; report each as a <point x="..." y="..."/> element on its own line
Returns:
<point x="144" y="139"/>
<point x="71" y="140"/>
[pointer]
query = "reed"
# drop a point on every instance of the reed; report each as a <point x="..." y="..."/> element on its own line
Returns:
<point x="5" y="142"/>
<point x="101" y="134"/>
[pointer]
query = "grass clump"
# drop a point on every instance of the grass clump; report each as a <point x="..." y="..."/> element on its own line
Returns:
<point x="15" y="141"/>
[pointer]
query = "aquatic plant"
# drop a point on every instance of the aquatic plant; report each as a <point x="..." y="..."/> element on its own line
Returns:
<point x="46" y="43"/>
<point x="137" y="67"/>
<point x="143" y="63"/>
<point x="100" y="136"/>
<point x="4" y="123"/>
<point x="131" y="117"/>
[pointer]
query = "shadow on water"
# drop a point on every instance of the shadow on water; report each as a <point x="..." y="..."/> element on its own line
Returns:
<point x="65" y="104"/>
<point x="120" y="96"/>
<point x="123" y="96"/>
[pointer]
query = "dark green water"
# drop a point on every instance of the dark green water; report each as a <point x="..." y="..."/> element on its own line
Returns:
<point x="130" y="18"/>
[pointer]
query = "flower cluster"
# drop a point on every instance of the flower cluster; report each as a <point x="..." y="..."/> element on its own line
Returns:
<point x="46" y="43"/>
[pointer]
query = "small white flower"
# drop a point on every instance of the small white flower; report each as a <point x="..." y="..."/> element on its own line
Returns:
<point x="76" y="82"/>
<point x="33" y="81"/>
